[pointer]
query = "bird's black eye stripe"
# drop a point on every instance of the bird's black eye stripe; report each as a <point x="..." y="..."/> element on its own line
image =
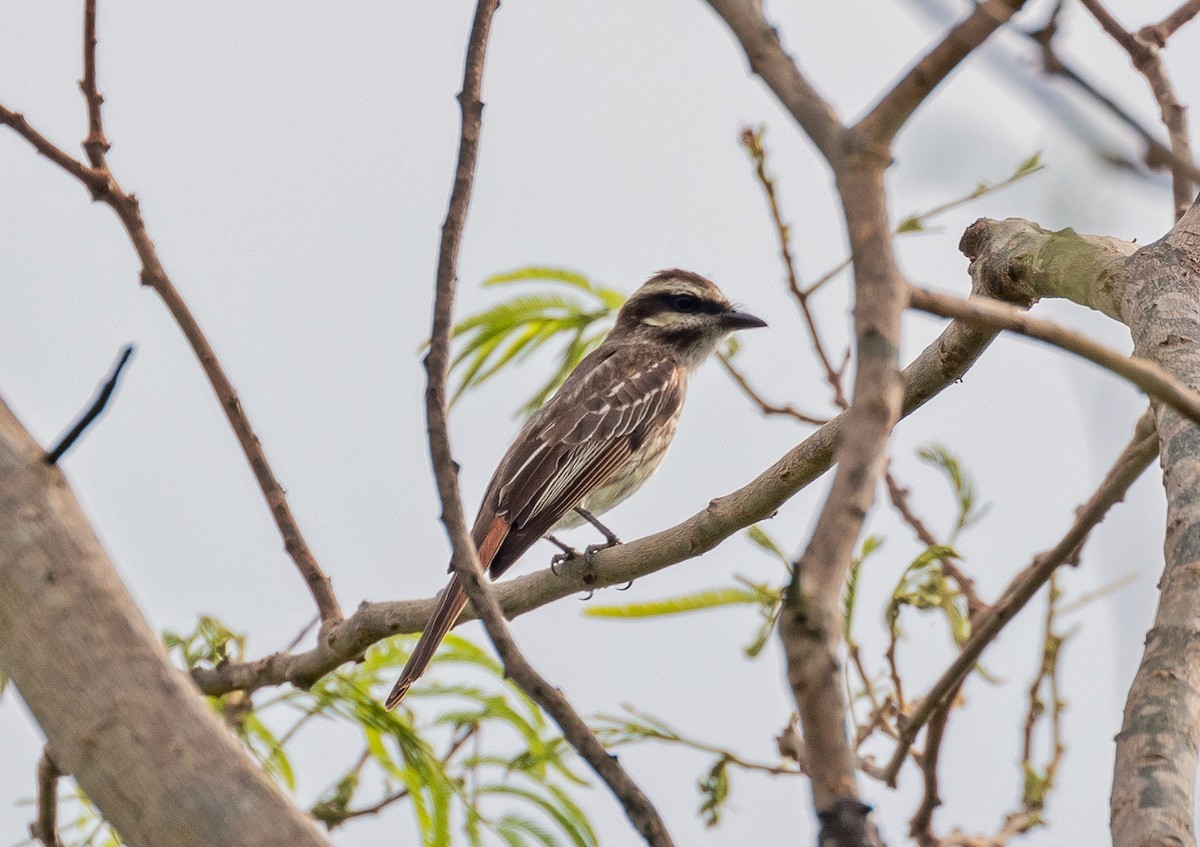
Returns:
<point x="688" y="304"/>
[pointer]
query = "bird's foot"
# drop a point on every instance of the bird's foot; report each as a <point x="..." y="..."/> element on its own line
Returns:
<point x="626" y="586"/>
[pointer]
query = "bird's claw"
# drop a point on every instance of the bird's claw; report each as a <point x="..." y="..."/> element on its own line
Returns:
<point x="626" y="586"/>
<point x="589" y="552"/>
<point x="588" y="596"/>
<point x="558" y="559"/>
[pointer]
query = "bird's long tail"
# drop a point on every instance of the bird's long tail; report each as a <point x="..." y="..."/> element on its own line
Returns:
<point x="454" y="598"/>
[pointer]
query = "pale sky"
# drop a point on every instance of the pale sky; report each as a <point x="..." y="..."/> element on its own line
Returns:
<point x="294" y="161"/>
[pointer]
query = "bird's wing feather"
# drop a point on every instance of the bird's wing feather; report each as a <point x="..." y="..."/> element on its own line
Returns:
<point x="587" y="432"/>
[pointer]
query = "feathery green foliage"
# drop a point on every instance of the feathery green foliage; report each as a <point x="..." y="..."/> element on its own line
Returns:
<point x="574" y="311"/>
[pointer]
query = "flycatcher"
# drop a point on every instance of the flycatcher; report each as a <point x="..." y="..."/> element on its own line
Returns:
<point x="602" y="434"/>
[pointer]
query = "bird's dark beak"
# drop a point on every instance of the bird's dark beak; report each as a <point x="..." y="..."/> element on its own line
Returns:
<point x="733" y="320"/>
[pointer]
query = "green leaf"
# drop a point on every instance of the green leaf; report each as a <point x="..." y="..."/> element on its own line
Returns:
<point x="542" y="273"/>
<point x="760" y="537"/>
<point x="578" y="831"/>
<point x="963" y="487"/>
<point x="511" y="826"/>
<point x="266" y="748"/>
<point x="715" y="788"/>
<point x="507" y="332"/>
<point x="708" y="599"/>
<point x="1030" y="165"/>
<point x="870" y="544"/>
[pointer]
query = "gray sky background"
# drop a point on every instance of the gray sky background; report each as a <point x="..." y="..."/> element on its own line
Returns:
<point x="294" y="162"/>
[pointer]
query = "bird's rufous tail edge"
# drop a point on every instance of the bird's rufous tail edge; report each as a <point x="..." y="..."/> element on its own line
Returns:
<point x="454" y="598"/>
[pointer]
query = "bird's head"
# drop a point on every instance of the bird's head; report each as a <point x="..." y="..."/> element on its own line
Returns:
<point x="682" y="310"/>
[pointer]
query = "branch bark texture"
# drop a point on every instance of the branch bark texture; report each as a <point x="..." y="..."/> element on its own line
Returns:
<point x="117" y="715"/>
<point x="1154" y="291"/>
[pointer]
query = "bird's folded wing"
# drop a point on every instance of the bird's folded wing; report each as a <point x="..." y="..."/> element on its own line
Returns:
<point x="584" y="435"/>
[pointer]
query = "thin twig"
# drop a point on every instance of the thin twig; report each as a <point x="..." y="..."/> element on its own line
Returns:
<point x="45" y="826"/>
<point x="1157" y="153"/>
<point x="1146" y="375"/>
<point x="637" y="806"/>
<point x="764" y="405"/>
<point x="898" y="494"/>
<point x="752" y="141"/>
<point x="95" y="145"/>
<point x="1134" y="459"/>
<point x="1144" y="53"/>
<point x="101" y="400"/>
<point x="921" y="825"/>
<point x="103" y="186"/>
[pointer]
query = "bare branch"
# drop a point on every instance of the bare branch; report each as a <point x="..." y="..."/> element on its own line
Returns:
<point x="764" y="405"/>
<point x="1146" y="375"/>
<point x="95" y="145"/>
<point x="1134" y="459"/>
<point x="1168" y="26"/>
<point x="752" y="141"/>
<point x="883" y="122"/>
<point x="1143" y="51"/>
<point x="769" y="60"/>
<point x="921" y="826"/>
<point x="637" y="806"/>
<point x="45" y="826"/>
<point x="98" y="403"/>
<point x="1157" y="153"/>
<point x="99" y="180"/>
<point x="95" y="181"/>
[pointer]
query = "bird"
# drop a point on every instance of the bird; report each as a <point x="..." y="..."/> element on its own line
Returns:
<point x="597" y="440"/>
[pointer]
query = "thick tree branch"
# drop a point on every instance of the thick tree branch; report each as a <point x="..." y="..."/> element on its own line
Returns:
<point x="637" y="805"/>
<point x="810" y="626"/>
<point x="103" y="185"/>
<point x="883" y="122"/>
<point x="119" y="718"/>
<point x="763" y="49"/>
<point x="1152" y="291"/>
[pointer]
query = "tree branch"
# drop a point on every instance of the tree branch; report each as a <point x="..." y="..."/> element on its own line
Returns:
<point x="98" y="403"/>
<point x="1146" y="375"/>
<point x="883" y="122"/>
<point x="1134" y="459"/>
<point x="116" y="714"/>
<point x="637" y="806"/>
<point x="1143" y="50"/>
<point x="103" y="185"/>
<point x="760" y="41"/>
<point x="45" y="826"/>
